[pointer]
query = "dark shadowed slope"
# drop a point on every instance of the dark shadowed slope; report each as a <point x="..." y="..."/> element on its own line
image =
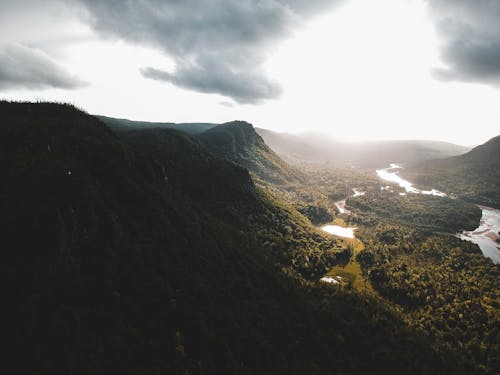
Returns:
<point x="238" y="142"/>
<point x="324" y="149"/>
<point x="114" y="261"/>
<point x="474" y="176"/>
<point x="121" y="125"/>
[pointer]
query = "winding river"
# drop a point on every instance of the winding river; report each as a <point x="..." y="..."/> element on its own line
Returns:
<point x="485" y="236"/>
<point x="391" y="174"/>
<point x="337" y="230"/>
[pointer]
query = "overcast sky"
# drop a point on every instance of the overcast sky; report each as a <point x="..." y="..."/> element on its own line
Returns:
<point x="355" y="69"/>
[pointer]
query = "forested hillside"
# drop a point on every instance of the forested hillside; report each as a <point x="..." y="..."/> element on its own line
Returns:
<point x="121" y="125"/>
<point x="473" y="176"/>
<point x="238" y="142"/>
<point x="422" y="211"/>
<point x="147" y="254"/>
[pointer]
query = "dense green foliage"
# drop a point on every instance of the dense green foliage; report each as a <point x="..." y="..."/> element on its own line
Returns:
<point x="316" y="214"/>
<point x="297" y="246"/>
<point x="446" y="287"/>
<point x="423" y="211"/>
<point x="147" y="255"/>
<point x="474" y="176"/>
<point x="294" y="244"/>
<point x="423" y="274"/>
<point x="316" y="195"/>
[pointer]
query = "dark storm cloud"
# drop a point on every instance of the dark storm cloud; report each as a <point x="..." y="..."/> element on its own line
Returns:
<point x="470" y="31"/>
<point x="24" y="67"/>
<point x="219" y="46"/>
<point x="212" y="77"/>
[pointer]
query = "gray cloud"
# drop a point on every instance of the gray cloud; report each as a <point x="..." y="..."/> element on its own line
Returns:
<point x="219" y="46"/>
<point x="470" y="31"/>
<point x="213" y="77"/>
<point x="24" y="67"/>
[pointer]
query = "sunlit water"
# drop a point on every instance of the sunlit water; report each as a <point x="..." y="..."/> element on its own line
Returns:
<point x="484" y="236"/>
<point x="358" y="193"/>
<point x="341" y="207"/>
<point x="332" y="280"/>
<point x="341" y="204"/>
<point x="339" y="231"/>
<point x="391" y="174"/>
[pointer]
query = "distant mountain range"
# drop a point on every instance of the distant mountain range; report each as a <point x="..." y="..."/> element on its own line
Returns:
<point x="317" y="149"/>
<point x="305" y="148"/>
<point x="474" y="176"/>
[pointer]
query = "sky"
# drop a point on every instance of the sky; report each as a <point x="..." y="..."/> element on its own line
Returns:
<point x="351" y="69"/>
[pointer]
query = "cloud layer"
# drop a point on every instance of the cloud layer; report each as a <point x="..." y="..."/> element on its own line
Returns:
<point x="219" y="46"/>
<point x="470" y="31"/>
<point x="210" y="77"/>
<point x="24" y="67"/>
<point x="32" y="33"/>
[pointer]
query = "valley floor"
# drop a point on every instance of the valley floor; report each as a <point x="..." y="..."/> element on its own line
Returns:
<point x="406" y="253"/>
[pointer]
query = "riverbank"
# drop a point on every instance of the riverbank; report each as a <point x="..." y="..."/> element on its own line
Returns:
<point x="349" y="275"/>
<point x="485" y="235"/>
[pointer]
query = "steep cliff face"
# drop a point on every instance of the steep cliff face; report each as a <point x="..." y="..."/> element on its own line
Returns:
<point x="191" y="168"/>
<point x="238" y="142"/>
<point x="236" y="137"/>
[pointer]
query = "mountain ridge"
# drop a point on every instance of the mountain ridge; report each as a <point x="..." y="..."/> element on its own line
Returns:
<point x="374" y="154"/>
<point x="318" y="148"/>
<point x="238" y="141"/>
<point x="472" y="176"/>
<point x="120" y="125"/>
